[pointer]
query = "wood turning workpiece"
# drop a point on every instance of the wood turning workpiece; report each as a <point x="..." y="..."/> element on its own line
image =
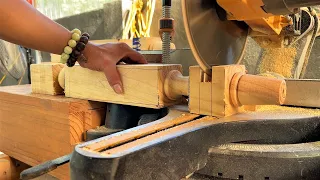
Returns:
<point x="160" y="85"/>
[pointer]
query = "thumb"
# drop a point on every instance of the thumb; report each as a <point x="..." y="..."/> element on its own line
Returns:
<point x="113" y="78"/>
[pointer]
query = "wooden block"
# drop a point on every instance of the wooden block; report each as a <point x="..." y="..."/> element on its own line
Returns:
<point x="194" y="96"/>
<point x="143" y="85"/>
<point x="303" y="92"/>
<point x="205" y="98"/>
<point x="221" y="78"/>
<point x="213" y="98"/>
<point x="35" y="128"/>
<point x="55" y="58"/>
<point x="229" y="89"/>
<point x="44" y="78"/>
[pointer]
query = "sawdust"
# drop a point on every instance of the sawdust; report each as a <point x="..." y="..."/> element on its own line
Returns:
<point x="273" y="108"/>
<point x="278" y="60"/>
<point x="273" y="75"/>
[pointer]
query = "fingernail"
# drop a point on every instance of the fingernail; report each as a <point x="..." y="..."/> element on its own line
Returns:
<point x="117" y="88"/>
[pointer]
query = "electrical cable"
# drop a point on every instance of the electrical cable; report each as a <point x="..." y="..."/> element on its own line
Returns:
<point x="314" y="35"/>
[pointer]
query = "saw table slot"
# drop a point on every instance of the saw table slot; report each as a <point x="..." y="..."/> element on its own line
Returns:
<point x="186" y="126"/>
<point x="138" y="133"/>
<point x="134" y="140"/>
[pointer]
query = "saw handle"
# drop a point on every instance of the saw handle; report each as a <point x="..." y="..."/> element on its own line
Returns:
<point x="248" y="89"/>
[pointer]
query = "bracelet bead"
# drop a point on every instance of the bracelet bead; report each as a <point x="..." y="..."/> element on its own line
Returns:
<point x="72" y="43"/>
<point x="76" y="31"/>
<point x="68" y="50"/>
<point x="86" y="34"/>
<point x="69" y="64"/>
<point x="75" y="53"/>
<point x="72" y="61"/>
<point x="75" y="36"/>
<point x="84" y="39"/>
<point x="80" y="46"/>
<point x="64" y="58"/>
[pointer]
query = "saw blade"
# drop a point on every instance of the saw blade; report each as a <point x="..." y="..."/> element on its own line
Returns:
<point x="212" y="40"/>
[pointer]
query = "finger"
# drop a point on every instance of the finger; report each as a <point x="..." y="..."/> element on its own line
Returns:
<point x="113" y="78"/>
<point x="132" y="54"/>
<point x="136" y="57"/>
<point x="83" y="64"/>
<point x="128" y="61"/>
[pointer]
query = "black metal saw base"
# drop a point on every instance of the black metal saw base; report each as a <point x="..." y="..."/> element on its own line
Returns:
<point x="185" y="150"/>
<point x="262" y="161"/>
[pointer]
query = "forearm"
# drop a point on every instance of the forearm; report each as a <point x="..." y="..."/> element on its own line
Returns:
<point x="22" y="24"/>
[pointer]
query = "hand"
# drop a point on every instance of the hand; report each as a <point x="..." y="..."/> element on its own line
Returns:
<point x="105" y="58"/>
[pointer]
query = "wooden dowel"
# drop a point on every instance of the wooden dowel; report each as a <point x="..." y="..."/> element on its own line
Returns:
<point x="176" y="85"/>
<point x="61" y="78"/>
<point x="258" y="90"/>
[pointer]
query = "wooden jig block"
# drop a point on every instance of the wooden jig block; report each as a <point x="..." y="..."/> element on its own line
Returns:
<point x="229" y="89"/>
<point x="143" y="85"/>
<point x="44" y="78"/>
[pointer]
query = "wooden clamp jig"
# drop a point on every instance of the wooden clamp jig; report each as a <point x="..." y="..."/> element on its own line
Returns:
<point x="159" y="86"/>
<point x="226" y="92"/>
<point x="230" y="88"/>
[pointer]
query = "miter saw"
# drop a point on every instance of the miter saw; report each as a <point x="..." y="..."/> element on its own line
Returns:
<point x="217" y="31"/>
<point x="177" y="144"/>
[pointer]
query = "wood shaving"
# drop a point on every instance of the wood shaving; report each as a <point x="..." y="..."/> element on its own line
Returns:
<point x="272" y="108"/>
<point x="278" y="60"/>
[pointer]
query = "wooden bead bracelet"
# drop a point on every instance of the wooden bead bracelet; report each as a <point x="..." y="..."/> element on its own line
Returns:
<point x="75" y="47"/>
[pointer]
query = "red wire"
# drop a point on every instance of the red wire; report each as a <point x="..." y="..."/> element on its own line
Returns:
<point x="31" y="2"/>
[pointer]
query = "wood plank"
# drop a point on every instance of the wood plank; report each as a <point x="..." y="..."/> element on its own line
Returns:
<point x="35" y="128"/>
<point x="143" y="85"/>
<point x="44" y="78"/>
<point x="303" y="92"/>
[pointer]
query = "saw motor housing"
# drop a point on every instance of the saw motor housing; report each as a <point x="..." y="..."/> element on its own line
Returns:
<point x="273" y="23"/>
<point x="265" y="16"/>
<point x="260" y="15"/>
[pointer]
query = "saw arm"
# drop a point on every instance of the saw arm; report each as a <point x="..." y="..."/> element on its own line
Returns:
<point x="216" y="32"/>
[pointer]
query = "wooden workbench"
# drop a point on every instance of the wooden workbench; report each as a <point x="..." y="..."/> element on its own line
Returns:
<point x="35" y="128"/>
